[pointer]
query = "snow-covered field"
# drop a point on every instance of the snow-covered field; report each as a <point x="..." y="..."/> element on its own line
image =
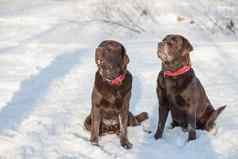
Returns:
<point x="47" y="71"/>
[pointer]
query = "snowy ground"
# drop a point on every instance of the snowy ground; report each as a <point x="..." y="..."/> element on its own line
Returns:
<point x="47" y="71"/>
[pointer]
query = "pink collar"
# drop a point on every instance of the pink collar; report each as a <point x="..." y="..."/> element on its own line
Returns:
<point x="178" y="72"/>
<point x="118" y="80"/>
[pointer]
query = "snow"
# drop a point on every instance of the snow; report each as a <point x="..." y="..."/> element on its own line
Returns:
<point x="47" y="72"/>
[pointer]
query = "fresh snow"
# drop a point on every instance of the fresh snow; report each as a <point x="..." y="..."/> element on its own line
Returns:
<point x="47" y="71"/>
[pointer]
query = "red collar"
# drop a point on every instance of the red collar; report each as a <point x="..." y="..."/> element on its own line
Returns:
<point x="118" y="80"/>
<point x="178" y="72"/>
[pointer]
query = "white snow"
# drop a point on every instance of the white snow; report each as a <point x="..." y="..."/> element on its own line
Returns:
<point x="47" y="72"/>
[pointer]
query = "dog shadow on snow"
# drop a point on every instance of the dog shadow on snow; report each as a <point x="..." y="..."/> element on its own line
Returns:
<point x="32" y="90"/>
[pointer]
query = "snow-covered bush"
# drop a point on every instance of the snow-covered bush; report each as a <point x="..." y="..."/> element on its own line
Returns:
<point x="140" y="16"/>
<point x="126" y="14"/>
<point x="222" y="15"/>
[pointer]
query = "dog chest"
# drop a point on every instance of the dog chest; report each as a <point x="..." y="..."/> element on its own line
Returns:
<point x="109" y="106"/>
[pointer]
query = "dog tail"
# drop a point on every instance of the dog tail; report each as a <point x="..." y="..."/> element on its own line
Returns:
<point x="137" y="119"/>
<point x="141" y="117"/>
<point x="211" y="121"/>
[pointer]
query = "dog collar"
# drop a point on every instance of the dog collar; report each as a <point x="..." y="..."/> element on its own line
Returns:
<point x="178" y="72"/>
<point x="118" y="80"/>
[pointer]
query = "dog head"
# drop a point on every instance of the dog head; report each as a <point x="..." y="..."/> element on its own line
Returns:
<point x="174" y="51"/>
<point x="111" y="59"/>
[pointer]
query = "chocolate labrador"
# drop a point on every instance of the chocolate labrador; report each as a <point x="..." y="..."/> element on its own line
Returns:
<point x="180" y="91"/>
<point x="111" y="95"/>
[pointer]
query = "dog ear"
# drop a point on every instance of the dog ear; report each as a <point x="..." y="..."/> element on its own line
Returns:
<point x="125" y="57"/>
<point x="99" y="55"/>
<point x="157" y="51"/>
<point x="125" y="60"/>
<point x="187" y="47"/>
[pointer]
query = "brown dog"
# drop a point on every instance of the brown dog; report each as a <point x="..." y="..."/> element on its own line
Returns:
<point x="111" y="95"/>
<point x="180" y="91"/>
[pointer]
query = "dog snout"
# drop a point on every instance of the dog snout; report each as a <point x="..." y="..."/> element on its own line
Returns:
<point x="163" y="48"/>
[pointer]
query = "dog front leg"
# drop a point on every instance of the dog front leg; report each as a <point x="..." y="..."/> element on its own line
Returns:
<point x="191" y="118"/>
<point x="163" y="108"/>
<point x="96" y="121"/>
<point x="163" y="114"/>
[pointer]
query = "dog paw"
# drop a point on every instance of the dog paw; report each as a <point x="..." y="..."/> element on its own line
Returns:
<point x="127" y="145"/>
<point x="157" y="136"/>
<point x="213" y="131"/>
<point x="192" y="136"/>
<point x="191" y="139"/>
<point x="94" y="142"/>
